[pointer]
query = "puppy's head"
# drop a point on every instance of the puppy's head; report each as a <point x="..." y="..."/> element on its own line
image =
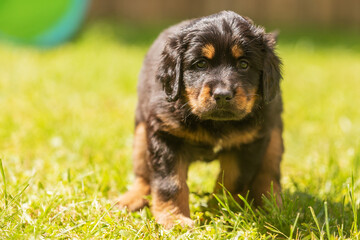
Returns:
<point x="222" y="65"/>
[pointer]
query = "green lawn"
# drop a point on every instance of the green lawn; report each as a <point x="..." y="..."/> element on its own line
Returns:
<point x="66" y="128"/>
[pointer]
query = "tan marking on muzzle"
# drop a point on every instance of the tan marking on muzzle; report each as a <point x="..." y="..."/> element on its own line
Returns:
<point x="245" y="101"/>
<point x="240" y="98"/>
<point x="198" y="101"/>
<point x="204" y="96"/>
<point x="251" y="100"/>
<point x="191" y="95"/>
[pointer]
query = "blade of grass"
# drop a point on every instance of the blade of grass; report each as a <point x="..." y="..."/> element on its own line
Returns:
<point x="316" y="222"/>
<point x="225" y="206"/>
<point x="70" y="229"/>
<point x="247" y="205"/>
<point x="225" y="202"/>
<point x="353" y="205"/>
<point x="292" y="228"/>
<point x="19" y="194"/>
<point x="327" y="220"/>
<point x="274" y="229"/>
<point x="16" y="197"/>
<point x="102" y="216"/>
<point x="4" y="180"/>
<point x="341" y="231"/>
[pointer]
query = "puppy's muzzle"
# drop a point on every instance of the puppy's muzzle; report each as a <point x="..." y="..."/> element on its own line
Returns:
<point x="222" y="96"/>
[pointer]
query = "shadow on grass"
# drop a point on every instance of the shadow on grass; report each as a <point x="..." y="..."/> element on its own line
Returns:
<point x="302" y="215"/>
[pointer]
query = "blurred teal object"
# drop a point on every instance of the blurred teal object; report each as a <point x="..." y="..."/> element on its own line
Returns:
<point x="40" y="22"/>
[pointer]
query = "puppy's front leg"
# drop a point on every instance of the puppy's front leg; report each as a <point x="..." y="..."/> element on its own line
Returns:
<point x="170" y="193"/>
<point x="269" y="173"/>
<point x="254" y="167"/>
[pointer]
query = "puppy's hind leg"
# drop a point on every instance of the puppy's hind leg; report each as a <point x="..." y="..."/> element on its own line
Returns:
<point x="134" y="199"/>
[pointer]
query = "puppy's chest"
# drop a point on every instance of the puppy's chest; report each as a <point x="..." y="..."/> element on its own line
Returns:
<point x="215" y="137"/>
<point x="202" y="152"/>
<point x="216" y="141"/>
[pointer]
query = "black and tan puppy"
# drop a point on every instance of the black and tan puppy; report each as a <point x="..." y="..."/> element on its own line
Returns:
<point x="208" y="89"/>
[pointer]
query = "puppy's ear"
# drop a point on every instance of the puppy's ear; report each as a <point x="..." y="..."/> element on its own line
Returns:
<point x="271" y="70"/>
<point x="170" y="69"/>
<point x="249" y="20"/>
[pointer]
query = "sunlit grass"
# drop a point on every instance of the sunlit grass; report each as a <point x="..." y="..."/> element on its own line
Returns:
<point x="66" y="128"/>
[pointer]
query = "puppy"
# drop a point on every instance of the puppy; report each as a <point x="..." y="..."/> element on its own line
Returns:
<point x="208" y="89"/>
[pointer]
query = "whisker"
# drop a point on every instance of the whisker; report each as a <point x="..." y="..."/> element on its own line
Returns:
<point x="184" y="105"/>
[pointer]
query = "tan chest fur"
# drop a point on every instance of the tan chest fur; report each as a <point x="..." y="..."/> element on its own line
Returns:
<point x="226" y="140"/>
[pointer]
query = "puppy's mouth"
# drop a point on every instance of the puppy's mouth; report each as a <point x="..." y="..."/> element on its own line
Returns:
<point x="222" y="114"/>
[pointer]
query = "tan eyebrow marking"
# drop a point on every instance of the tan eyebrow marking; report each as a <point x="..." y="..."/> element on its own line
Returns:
<point x="208" y="51"/>
<point x="237" y="51"/>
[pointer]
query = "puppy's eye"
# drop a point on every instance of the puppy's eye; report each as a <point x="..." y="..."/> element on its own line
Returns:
<point x="242" y="64"/>
<point x="202" y="64"/>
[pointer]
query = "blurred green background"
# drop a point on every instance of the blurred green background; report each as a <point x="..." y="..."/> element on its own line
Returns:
<point x="67" y="115"/>
<point x="39" y="22"/>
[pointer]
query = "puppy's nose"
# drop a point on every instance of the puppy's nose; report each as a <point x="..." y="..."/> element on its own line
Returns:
<point x="222" y="95"/>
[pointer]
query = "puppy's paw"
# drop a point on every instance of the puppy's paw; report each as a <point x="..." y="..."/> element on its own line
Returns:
<point x="132" y="200"/>
<point x="169" y="221"/>
<point x="135" y="198"/>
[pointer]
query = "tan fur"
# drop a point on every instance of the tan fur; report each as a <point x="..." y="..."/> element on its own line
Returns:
<point x="200" y="135"/>
<point x="208" y="51"/>
<point x="167" y="121"/>
<point x="251" y="100"/>
<point x="191" y="96"/>
<point x="269" y="172"/>
<point x="240" y="98"/>
<point x="237" y="52"/>
<point x="134" y="199"/>
<point x="204" y="97"/>
<point x="139" y="151"/>
<point x="245" y="101"/>
<point x="236" y="138"/>
<point x="229" y="172"/>
<point x="229" y="176"/>
<point x="198" y="101"/>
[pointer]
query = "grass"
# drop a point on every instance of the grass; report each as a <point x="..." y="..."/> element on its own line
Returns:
<point x="66" y="128"/>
